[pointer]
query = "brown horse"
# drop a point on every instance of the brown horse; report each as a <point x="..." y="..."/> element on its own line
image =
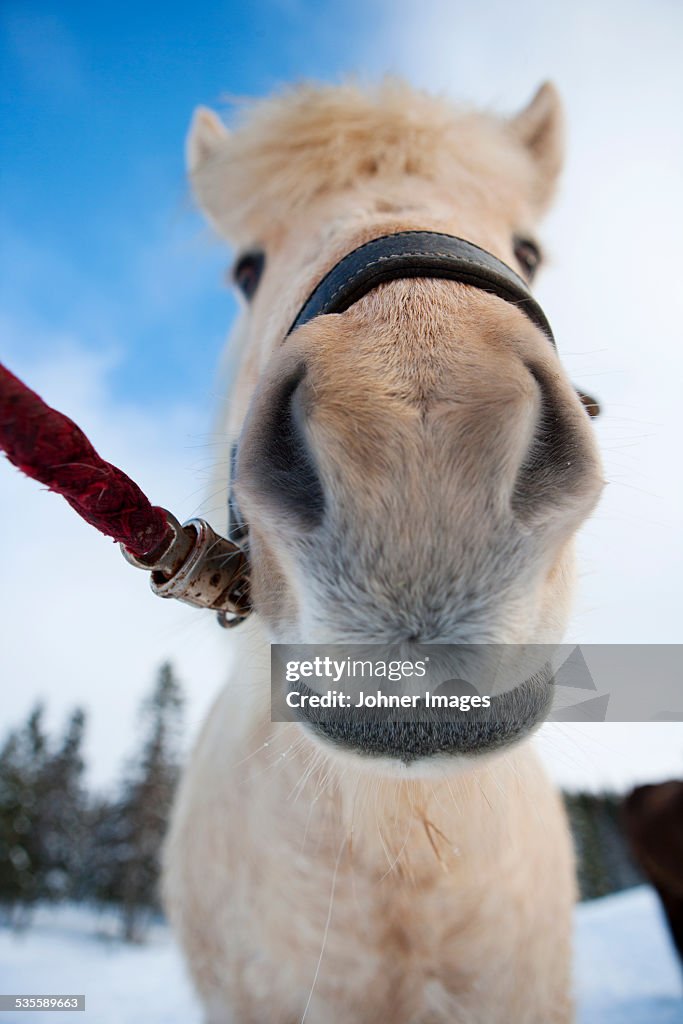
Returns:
<point x="653" y="822"/>
<point x="414" y="466"/>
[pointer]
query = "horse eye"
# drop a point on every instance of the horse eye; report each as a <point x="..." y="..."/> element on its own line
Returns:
<point x="528" y="255"/>
<point x="247" y="272"/>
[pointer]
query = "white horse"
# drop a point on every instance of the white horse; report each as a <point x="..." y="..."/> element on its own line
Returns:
<point x="415" y="466"/>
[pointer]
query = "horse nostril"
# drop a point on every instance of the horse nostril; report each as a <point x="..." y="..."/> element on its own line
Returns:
<point x="275" y="461"/>
<point x="557" y="459"/>
<point x="550" y="436"/>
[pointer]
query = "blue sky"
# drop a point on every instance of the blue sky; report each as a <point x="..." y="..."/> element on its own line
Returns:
<point x="96" y="218"/>
<point x="112" y="304"/>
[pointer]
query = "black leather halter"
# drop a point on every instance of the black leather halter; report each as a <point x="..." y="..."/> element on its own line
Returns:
<point x="417" y="254"/>
<point x="395" y="257"/>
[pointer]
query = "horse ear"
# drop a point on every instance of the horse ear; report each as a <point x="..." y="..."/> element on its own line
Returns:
<point x="539" y="127"/>
<point x="206" y="135"/>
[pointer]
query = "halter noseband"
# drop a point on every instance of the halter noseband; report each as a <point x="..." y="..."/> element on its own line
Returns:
<point x="392" y="258"/>
<point x="417" y="254"/>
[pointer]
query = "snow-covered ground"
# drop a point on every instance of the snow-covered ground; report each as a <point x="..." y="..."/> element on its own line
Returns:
<point x="70" y="950"/>
<point x="626" y="970"/>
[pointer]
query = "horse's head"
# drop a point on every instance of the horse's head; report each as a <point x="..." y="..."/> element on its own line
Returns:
<point x="415" y="467"/>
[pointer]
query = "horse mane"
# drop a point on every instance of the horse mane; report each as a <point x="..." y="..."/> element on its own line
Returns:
<point x="286" y="151"/>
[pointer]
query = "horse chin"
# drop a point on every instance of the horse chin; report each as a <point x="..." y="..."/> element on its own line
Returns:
<point x="387" y="744"/>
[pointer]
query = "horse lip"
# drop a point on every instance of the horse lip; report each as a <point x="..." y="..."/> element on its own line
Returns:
<point x="384" y="733"/>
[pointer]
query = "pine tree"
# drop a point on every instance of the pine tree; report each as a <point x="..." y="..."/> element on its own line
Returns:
<point x="42" y="815"/>
<point x="23" y="867"/>
<point x="128" y="831"/>
<point x="603" y="859"/>
<point x="64" y="809"/>
<point x="104" y="852"/>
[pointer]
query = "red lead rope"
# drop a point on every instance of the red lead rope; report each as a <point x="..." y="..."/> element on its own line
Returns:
<point x="49" y="447"/>
<point x="190" y="563"/>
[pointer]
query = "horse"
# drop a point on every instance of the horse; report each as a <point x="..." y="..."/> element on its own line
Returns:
<point x="412" y="467"/>
<point x="652" y="819"/>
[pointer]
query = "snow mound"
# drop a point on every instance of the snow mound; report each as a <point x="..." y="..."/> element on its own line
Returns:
<point x="71" y="950"/>
<point x="626" y="969"/>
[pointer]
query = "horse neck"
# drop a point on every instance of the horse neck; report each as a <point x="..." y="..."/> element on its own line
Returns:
<point x="449" y="815"/>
